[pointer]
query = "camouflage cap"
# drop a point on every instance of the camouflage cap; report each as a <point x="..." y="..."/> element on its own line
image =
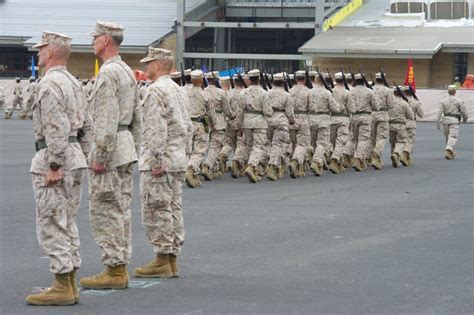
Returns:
<point x="278" y="77"/>
<point x="254" y="73"/>
<point x="187" y="72"/>
<point x="225" y="78"/>
<point x="358" y="76"/>
<point x="158" y="54"/>
<point x="291" y="76"/>
<point x="107" y="28"/>
<point x="212" y="75"/>
<point x="348" y="76"/>
<point x="313" y="73"/>
<point x="196" y="74"/>
<point x="53" y="38"/>
<point x="378" y="75"/>
<point x="452" y="87"/>
<point x="175" y="75"/>
<point x="339" y="75"/>
<point x="300" y="74"/>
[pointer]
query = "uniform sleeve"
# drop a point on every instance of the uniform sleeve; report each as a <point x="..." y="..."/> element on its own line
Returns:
<point x="440" y="113"/>
<point x="155" y="126"/>
<point x="106" y="117"/>
<point x="289" y="109"/>
<point x="462" y="109"/>
<point x="267" y="105"/>
<point x="408" y="112"/>
<point x="373" y="101"/>
<point x="351" y="103"/>
<point x="136" y="125"/>
<point x="419" y="110"/>
<point x="55" y="124"/>
<point x="211" y="111"/>
<point x="87" y="129"/>
<point x="333" y="105"/>
<point x="225" y="106"/>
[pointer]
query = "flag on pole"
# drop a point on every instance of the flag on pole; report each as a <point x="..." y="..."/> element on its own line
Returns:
<point x="410" y="76"/>
<point x="33" y="67"/>
<point x="96" y="68"/>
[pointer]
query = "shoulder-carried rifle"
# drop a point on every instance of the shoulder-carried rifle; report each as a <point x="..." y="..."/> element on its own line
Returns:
<point x="344" y="79"/>
<point x="400" y="92"/>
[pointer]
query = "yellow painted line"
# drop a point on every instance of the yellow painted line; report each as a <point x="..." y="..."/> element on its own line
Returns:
<point x="343" y="13"/>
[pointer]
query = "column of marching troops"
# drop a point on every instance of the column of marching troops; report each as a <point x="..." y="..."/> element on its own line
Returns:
<point x="180" y="132"/>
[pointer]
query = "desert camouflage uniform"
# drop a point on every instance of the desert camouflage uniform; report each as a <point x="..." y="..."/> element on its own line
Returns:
<point x="450" y="112"/>
<point x="299" y="132"/>
<point x="234" y="133"/>
<point x="340" y="122"/>
<point x="166" y="129"/>
<point x="117" y="127"/>
<point x="380" y="119"/>
<point x="415" y="106"/>
<point x="399" y="111"/>
<point x="58" y="115"/>
<point x="28" y="104"/>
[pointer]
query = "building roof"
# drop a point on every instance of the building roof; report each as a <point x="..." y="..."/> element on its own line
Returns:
<point x="144" y="20"/>
<point x="390" y="42"/>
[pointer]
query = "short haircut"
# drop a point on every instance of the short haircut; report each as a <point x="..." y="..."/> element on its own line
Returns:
<point x="117" y="39"/>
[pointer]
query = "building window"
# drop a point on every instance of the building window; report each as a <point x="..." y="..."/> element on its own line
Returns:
<point x="460" y="66"/>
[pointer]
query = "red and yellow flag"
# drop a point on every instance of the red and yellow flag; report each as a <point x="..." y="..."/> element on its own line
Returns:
<point x="410" y="77"/>
<point x="96" y="68"/>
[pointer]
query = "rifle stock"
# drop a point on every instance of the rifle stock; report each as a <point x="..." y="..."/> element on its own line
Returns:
<point x="400" y="91"/>
<point x="344" y="79"/>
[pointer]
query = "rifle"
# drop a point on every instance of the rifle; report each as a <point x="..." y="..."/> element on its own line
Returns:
<point x="400" y="91"/>
<point x="262" y="80"/>
<point x="241" y="79"/>
<point x="383" y="77"/>
<point x="344" y="79"/>
<point x="372" y="78"/>
<point x="321" y="78"/>
<point x="367" y="85"/>
<point x="204" y="79"/>
<point x="183" y="80"/>
<point x="412" y="92"/>
<point x="231" y="80"/>
<point x="307" y="80"/>
<point x="330" y="78"/>
<point x="352" y="75"/>
<point x="285" y="83"/>
<point x="267" y="80"/>
<point x="216" y="81"/>
<point x="288" y="81"/>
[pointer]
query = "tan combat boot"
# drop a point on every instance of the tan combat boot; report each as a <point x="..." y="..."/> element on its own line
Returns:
<point x="409" y="159"/>
<point x="282" y="170"/>
<point x="340" y="167"/>
<point x="22" y="116"/>
<point x="112" y="278"/>
<point x="293" y="169"/>
<point x="404" y="158"/>
<point x="271" y="175"/>
<point x="223" y="163"/>
<point x="302" y="169"/>
<point x="174" y="265"/>
<point x="72" y="278"/>
<point x="250" y="173"/>
<point x="356" y="164"/>
<point x="206" y="173"/>
<point x="60" y="293"/>
<point x="363" y="164"/>
<point x="191" y="179"/>
<point x="234" y="169"/>
<point x="449" y="155"/>
<point x="158" y="268"/>
<point x="346" y="161"/>
<point x="376" y="162"/>
<point x="334" y="166"/>
<point x="316" y="168"/>
<point x="395" y="159"/>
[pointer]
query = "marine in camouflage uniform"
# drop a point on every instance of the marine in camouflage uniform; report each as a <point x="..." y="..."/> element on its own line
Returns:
<point x="28" y="104"/>
<point x="219" y="102"/>
<point x="299" y="132"/>
<point x="363" y="101"/>
<point x="117" y="127"/>
<point x="451" y="110"/>
<point x="340" y="124"/>
<point x="254" y="123"/>
<point x="166" y="128"/>
<point x="415" y="106"/>
<point x="278" y="126"/>
<point x="379" y="122"/>
<point x="17" y="100"/>
<point x="57" y="169"/>
<point x="399" y="112"/>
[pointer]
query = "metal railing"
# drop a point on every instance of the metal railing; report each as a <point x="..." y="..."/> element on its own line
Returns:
<point x="276" y="3"/>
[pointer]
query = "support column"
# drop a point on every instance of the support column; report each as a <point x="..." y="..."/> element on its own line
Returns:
<point x="180" y="40"/>
<point x="319" y="16"/>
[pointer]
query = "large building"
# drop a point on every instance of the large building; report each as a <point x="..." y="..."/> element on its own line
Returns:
<point x="280" y="35"/>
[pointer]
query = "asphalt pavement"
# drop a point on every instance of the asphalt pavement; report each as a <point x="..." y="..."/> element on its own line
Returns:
<point x="395" y="241"/>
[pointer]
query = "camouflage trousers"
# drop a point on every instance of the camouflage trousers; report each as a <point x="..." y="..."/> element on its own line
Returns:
<point x="411" y="136"/>
<point x="259" y="140"/>
<point x="200" y="143"/>
<point x="9" y="108"/>
<point x="230" y="142"/>
<point x="361" y="128"/>
<point x="280" y="140"/>
<point x="243" y="147"/>
<point x="162" y="210"/>
<point x="216" y="143"/>
<point x="339" y="138"/>
<point x="110" y="214"/>
<point x="397" y="138"/>
<point x="56" y="210"/>
<point x="349" y="147"/>
<point x="451" y="134"/>
<point x="379" y="135"/>
<point x="319" y="141"/>
<point x="301" y="139"/>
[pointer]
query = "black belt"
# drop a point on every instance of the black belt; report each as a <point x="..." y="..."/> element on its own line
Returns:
<point x="300" y="112"/>
<point x="278" y="110"/>
<point x="361" y="113"/>
<point x="122" y="128"/>
<point x="397" y="122"/>
<point x="218" y="111"/>
<point x="320" y="113"/>
<point x="453" y="115"/>
<point x="340" y="115"/>
<point x="382" y="110"/>
<point x="41" y="143"/>
<point x="257" y="112"/>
